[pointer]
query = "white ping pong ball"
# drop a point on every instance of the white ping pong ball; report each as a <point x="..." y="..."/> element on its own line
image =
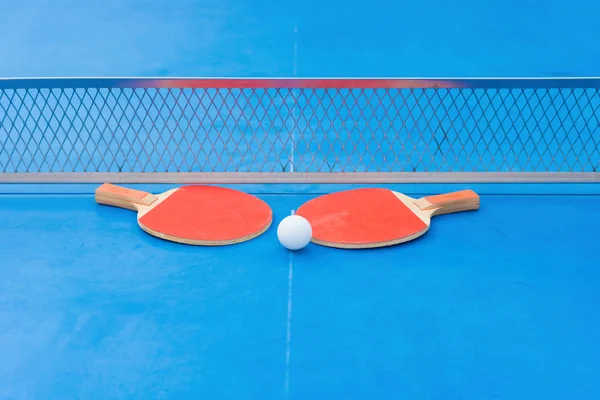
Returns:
<point x="294" y="232"/>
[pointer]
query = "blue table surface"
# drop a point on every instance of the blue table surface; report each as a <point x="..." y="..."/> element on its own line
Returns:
<point x="499" y="303"/>
<point x="431" y="38"/>
<point x="496" y="304"/>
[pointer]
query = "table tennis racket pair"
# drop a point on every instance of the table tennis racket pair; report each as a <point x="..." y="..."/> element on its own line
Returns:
<point x="352" y="219"/>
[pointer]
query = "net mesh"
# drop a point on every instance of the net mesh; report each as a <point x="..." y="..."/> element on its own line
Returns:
<point x="304" y="129"/>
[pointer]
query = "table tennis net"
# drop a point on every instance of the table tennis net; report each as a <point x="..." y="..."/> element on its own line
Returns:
<point x="307" y="128"/>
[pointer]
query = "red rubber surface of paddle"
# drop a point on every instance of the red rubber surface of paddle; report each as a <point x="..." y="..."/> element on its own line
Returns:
<point x="208" y="213"/>
<point x="360" y="216"/>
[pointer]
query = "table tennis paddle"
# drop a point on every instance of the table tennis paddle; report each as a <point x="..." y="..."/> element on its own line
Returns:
<point x="196" y="215"/>
<point x="367" y="218"/>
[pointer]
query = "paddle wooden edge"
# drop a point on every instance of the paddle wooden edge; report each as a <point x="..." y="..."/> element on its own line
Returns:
<point x="366" y="246"/>
<point x="207" y="243"/>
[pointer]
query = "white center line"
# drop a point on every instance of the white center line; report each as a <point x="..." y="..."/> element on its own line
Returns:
<point x="289" y="325"/>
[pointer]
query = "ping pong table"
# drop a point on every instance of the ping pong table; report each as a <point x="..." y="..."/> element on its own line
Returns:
<point x="500" y="303"/>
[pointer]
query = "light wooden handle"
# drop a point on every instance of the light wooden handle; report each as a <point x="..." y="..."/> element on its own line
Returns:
<point x="464" y="200"/>
<point x="118" y="196"/>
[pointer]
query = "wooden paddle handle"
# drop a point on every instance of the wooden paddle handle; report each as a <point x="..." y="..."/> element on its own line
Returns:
<point x="118" y="196"/>
<point x="464" y="200"/>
